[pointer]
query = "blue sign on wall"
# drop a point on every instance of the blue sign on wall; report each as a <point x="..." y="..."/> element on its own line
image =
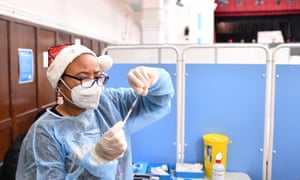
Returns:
<point x="26" y="68"/>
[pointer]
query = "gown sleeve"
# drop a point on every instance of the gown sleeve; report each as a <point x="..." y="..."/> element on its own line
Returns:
<point x="155" y="105"/>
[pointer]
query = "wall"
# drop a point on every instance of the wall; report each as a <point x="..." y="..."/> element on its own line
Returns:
<point x="112" y="21"/>
<point x="107" y="21"/>
<point x="20" y="102"/>
<point x="198" y="16"/>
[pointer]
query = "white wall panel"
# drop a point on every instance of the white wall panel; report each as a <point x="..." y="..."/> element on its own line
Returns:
<point x="100" y="19"/>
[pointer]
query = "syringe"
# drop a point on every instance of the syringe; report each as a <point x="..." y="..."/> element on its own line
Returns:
<point x="130" y="110"/>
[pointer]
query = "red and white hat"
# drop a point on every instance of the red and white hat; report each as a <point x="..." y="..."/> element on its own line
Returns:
<point x="59" y="57"/>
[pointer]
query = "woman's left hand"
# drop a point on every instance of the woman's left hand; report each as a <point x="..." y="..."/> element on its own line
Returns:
<point x="142" y="78"/>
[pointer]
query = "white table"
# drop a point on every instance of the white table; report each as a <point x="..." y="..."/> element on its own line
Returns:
<point x="234" y="176"/>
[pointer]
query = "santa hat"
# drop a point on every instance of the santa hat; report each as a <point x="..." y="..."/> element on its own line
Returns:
<point x="59" y="57"/>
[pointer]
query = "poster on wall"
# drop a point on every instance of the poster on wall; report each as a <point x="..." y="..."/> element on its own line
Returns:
<point x="26" y="68"/>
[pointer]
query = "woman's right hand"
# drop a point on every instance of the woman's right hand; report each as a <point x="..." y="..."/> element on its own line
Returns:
<point x="113" y="143"/>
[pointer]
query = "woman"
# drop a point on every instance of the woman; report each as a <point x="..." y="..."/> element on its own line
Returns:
<point x="84" y="136"/>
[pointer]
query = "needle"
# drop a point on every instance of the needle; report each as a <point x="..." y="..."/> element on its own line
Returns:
<point x="130" y="110"/>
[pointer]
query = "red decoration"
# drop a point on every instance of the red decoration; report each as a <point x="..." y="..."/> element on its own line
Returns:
<point x="258" y="7"/>
<point x="53" y="51"/>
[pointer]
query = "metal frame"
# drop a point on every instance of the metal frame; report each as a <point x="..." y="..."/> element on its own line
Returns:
<point x="271" y="108"/>
<point x="270" y="62"/>
<point x="268" y="94"/>
<point x="179" y="85"/>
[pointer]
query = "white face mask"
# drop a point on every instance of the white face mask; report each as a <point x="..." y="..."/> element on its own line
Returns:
<point x="86" y="98"/>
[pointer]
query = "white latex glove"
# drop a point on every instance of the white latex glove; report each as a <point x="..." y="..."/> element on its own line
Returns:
<point x="112" y="144"/>
<point x="142" y="78"/>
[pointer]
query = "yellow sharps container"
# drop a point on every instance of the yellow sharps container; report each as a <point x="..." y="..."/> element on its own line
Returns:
<point x="213" y="144"/>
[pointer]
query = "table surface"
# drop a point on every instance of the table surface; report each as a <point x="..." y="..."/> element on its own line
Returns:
<point x="234" y="176"/>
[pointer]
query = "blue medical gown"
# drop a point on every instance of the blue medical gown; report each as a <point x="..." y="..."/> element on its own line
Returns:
<point x="58" y="147"/>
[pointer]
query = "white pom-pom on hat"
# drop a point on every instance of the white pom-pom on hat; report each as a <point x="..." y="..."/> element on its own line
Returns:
<point x="105" y="62"/>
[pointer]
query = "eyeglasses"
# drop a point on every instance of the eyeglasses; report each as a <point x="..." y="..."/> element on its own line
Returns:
<point x="88" y="83"/>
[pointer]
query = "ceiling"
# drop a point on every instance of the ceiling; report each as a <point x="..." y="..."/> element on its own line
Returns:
<point x="133" y="8"/>
<point x="135" y="5"/>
